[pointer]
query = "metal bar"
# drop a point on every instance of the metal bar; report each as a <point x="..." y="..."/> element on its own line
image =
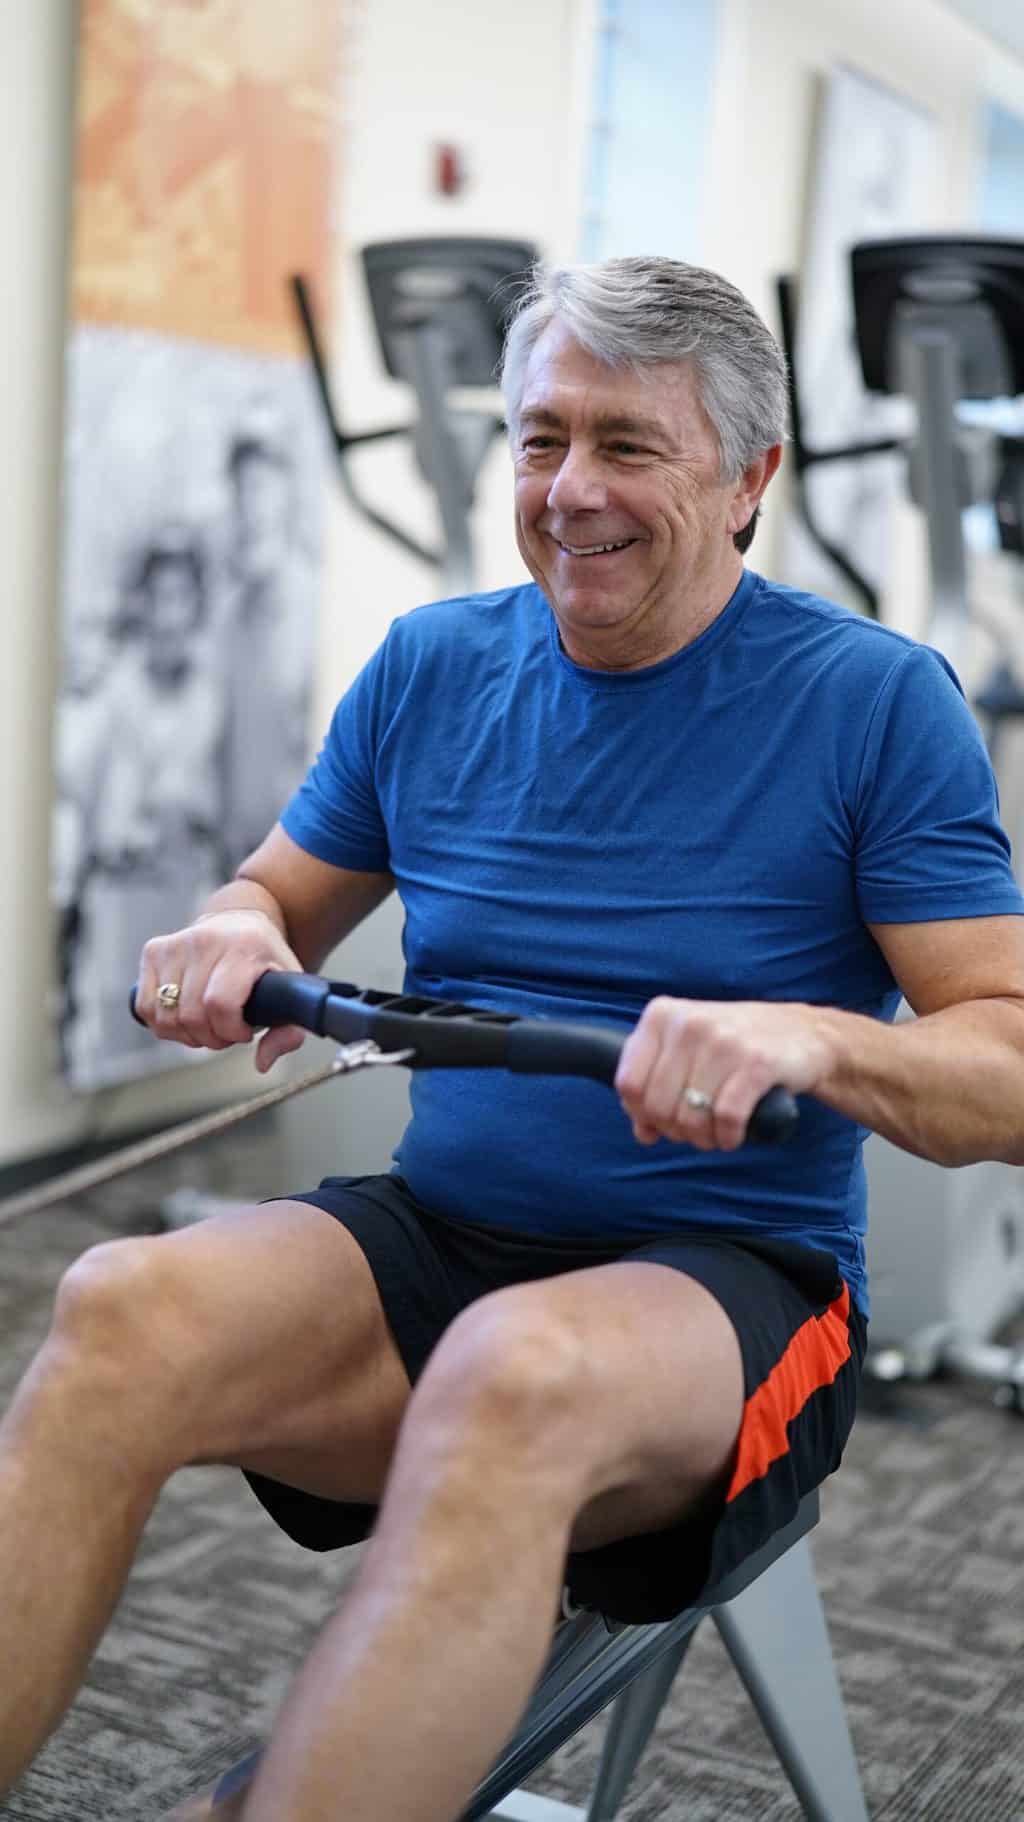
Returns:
<point x="344" y="440"/>
<point x="424" y="353"/>
<point x="571" y="1693"/>
<point x="776" y="1635"/>
<point x="929" y="367"/>
<point x="848" y="452"/>
<point x="803" y="457"/>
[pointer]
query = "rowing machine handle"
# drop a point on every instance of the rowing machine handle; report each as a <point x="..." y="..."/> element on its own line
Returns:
<point x="445" y="1034"/>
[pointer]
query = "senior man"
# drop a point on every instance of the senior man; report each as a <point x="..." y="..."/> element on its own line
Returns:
<point x="565" y="1337"/>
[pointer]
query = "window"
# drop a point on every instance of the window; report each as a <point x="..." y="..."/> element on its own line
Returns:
<point x="650" y="121"/>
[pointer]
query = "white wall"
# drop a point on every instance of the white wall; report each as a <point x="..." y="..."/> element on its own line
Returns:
<point x="509" y="85"/>
<point x="468" y="74"/>
<point x="35" y="103"/>
<point x="772" y="66"/>
<point x="472" y="76"/>
<point x="769" y="80"/>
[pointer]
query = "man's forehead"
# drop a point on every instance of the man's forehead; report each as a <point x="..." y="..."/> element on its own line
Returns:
<point x="562" y="378"/>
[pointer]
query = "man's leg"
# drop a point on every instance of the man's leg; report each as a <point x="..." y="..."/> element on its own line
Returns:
<point x="581" y="1409"/>
<point x="255" y="1337"/>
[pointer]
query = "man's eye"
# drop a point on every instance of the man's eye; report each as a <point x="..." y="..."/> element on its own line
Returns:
<point x="627" y="449"/>
<point x="538" y="442"/>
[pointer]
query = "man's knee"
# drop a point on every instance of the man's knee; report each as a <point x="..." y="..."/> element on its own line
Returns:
<point x="121" y="1319"/>
<point x="116" y="1375"/>
<point x="510" y="1380"/>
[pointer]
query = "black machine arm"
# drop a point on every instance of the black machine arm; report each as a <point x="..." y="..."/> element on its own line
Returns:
<point x="440" y="306"/>
<point x="443" y="1034"/>
<point x="345" y="440"/>
<point x="804" y="458"/>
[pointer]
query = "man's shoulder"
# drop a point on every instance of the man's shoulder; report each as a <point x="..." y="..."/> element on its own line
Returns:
<point x="482" y="616"/>
<point x="463" y="641"/>
<point x="825" y="630"/>
<point x="802" y="605"/>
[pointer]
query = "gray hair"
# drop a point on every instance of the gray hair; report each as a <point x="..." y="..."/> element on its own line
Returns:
<point x="642" y="311"/>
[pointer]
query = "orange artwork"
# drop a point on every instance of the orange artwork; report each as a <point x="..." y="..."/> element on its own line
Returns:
<point x="204" y="165"/>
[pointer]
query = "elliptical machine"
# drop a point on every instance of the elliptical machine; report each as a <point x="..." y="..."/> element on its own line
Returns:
<point x="440" y="307"/>
<point x="940" y="321"/>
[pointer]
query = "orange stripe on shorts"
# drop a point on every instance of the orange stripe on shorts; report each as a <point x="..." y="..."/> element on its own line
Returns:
<point x="813" y="1358"/>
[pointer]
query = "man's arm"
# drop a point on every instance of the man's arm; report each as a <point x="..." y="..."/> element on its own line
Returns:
<point x="948" y="1086"/>
<point x="285" y="909"/>
<point x="314" y="905"/>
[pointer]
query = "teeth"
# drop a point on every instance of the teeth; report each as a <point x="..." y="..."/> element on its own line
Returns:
<point x="594" y="550"/>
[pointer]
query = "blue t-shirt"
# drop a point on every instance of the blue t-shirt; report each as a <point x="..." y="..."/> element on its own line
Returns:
<point x="570" y="842"/>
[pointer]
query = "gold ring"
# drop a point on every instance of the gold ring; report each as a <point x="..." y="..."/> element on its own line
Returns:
<point x="698" y="1100"/>
<point x="169" y="993"/>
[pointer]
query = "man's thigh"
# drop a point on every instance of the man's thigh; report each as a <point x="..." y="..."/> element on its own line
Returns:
<point x="724" y="1389"/>
<point x="664" y="1394"/>
<point x="301" y="1375"/>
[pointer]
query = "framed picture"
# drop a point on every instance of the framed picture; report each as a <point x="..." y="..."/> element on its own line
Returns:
<point x="873" y="178"/>
<point x="195" y="473"/>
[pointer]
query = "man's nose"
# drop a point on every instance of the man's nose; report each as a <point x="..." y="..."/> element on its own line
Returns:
<point x="578" y="486"/>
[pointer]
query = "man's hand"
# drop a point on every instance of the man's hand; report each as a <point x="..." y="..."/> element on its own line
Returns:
<point x="726" y="1055"/>
<point x="215" y="963"/>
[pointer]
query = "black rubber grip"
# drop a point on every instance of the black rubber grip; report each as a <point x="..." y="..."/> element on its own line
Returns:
<point x="276" y="999"/>
<point x="288" y="999"/>
<point x="538" y="1048"/>
<point x="445" y="1034"/>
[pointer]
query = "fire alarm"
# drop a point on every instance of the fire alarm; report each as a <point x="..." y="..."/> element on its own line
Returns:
<point x="449" y="170"/>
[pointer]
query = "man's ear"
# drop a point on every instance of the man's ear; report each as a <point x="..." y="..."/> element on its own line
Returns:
<point x="751" y="486"/>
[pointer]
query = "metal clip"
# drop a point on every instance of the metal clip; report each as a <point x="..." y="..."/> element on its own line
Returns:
<point x="365" y="1051"/>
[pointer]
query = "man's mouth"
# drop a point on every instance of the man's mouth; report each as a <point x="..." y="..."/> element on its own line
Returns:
<point x="594" y="550"/>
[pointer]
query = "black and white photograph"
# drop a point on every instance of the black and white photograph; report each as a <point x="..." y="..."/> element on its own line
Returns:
<point x="193" y="535"/>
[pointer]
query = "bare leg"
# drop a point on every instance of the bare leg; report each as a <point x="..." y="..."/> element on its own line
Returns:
<point x="73" y="1503"/>
<point x="193" y="1346"/>
<point x="411" y="1689"/>
<point x="539" y="1404"/>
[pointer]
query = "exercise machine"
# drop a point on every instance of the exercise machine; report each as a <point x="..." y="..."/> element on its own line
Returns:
<point x="940" y="321"/>
<point x="767" y="1611"/>
<point x="769" y="1616"/>
<point x="440" y="308"/>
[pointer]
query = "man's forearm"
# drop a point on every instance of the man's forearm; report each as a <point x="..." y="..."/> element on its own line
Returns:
<point x="245" y="895"/>
<point x="948" y="1087"/>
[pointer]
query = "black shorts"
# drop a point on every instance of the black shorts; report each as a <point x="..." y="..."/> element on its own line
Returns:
<point x="801" y="1338"/>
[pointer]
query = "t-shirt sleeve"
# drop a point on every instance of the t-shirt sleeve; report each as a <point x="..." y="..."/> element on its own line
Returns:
<point x="929" y="843"/>
<point x="335" y="814"/>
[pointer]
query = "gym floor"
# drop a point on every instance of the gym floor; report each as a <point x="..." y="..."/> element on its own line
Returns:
<point x="920" y="1557"/>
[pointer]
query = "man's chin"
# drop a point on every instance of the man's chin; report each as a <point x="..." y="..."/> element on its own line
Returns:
<point x="589" y="610"/>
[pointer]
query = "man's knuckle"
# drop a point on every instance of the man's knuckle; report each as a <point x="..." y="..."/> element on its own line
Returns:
<point x="662" y="1009"/>
<point x="216" y="1002"/>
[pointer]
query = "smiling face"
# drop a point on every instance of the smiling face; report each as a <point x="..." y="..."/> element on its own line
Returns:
<point x="622" y="517"/>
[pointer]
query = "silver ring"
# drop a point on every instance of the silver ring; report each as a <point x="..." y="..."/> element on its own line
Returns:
<point x="168" y="993"/>
<point x="698" y="1100"/>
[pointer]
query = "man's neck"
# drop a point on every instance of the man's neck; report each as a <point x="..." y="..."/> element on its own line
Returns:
<point x="638" y="646"/>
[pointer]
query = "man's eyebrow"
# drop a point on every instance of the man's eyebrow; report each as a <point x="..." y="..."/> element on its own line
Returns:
<point x="538" y="414"/>
<point x="618" y="423"/>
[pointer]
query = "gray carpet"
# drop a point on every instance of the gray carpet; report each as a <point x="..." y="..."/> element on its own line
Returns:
<point x="920" y="1557"/>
